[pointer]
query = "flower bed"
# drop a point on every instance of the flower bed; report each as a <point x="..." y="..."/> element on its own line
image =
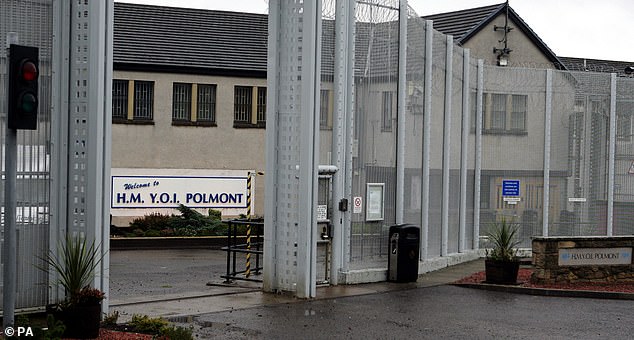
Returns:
<point x="525" y="275"/>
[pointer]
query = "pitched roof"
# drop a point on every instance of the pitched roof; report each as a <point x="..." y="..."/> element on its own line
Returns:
<point x="595" y="65"/>
<point x="189" y="40"/>
<point x="464" y="24"/>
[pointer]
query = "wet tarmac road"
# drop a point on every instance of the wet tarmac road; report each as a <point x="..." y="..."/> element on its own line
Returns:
<point x="441" y="312"/>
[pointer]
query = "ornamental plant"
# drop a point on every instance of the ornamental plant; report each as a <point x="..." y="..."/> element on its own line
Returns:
<point x="75" y="263"/>
<point x="503" y="236"/>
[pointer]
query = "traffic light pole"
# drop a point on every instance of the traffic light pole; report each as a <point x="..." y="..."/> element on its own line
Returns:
<point x="10" y="248"/>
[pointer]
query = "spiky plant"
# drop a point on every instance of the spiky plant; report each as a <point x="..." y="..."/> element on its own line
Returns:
<point x="75" y="264"/>
<point x="503" y="236"/>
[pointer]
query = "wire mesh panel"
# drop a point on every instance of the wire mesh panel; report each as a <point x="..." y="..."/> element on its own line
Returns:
<point x="513" y="150"/>
<point x="580" y="137"/>
<point x="415" y="93"/>
<point x="455" y="139"/>
<point x="439" y="56"/>
<point x="374" y="160"/>
<point x="624" y="158"/>
<point x="31" y="21"/>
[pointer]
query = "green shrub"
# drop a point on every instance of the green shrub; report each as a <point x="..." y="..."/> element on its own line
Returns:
<point x="166" y="232"/>
<point x="145" y="324"/>
<point x="153" y="233"/>
<point x="189" y="223"/>
<point x="215" y="214"/>
<point x="110" y="319"/>
<point x="177" y="333"/>
<point x="152" y="221"/>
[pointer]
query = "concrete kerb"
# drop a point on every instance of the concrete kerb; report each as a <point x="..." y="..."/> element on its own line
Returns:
<point x="548" y="291"/>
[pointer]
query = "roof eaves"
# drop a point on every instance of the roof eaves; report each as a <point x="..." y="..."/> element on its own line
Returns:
<point x="536" y="40"/>
<point x="475" y="29"/>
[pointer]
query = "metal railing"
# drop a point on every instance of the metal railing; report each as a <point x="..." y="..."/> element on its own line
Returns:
<point x="251" y="245"/>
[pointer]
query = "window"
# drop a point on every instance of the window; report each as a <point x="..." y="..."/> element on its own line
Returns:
<point x="181" y="102"/>
<point x="518" y="113"/>
<point x="206" y="103"/>
<point x="503" y="113"/>
<point x="498" y="112"/>
<point x="624" y="120"/>
<point x="119" y="99"/>
<point x="242" y="104"/>
<point x="249" y="111"/>
<point x="143" y="100"/>
<point x="324" y="106"/>
<point x="388" y="100"/>
<point x="261" y="105"/>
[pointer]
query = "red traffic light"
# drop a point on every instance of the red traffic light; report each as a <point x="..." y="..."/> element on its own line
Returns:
<point x="23" y="87"/>
<point x="28" y="70"/>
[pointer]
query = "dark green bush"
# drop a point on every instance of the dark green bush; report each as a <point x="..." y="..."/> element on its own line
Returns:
<point x="153" y="233"/>
<point x="189" y="223"/>
<point x="151" y="221"/>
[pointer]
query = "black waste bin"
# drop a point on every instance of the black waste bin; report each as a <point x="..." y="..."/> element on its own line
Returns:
<point x="402" y="264"/>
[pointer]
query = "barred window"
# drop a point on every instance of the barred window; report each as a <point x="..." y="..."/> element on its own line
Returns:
<point x="143" y="100"/>
<point x="388" y="99"/>
<point x="243" y="104"/>
<point x="498" y="112"/>
<point x="206" y="103"/>
<point x="518" y="114"/>
<point x="181" y="102"/>
<point x="323" y="108"/>
<point x="503" y="113"/>
<point x="119" y="99"/>
<point x="261" y="105"/>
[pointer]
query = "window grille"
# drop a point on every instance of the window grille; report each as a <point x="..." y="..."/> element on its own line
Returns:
<point x="181" y="102"/>
<point x="388" y="97"/>
<point x="143" y="100"/>
<point x="261" y="105"/>
<point x="498" y="112"/>
<point x="206" y="103"/>
<point x="518" y="115"/>
<point x="624" y="120"/>
<point x="242" y="104"/>
<point x="323" y="109"/>
<point x="119" y="99"/>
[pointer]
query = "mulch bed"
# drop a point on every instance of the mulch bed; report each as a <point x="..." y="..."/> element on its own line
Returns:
<point x="108" y="334"/>
<point x="524" y="276"/>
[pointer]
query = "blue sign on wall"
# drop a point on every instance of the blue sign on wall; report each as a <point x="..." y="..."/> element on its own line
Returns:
<point x="510" y="187"/>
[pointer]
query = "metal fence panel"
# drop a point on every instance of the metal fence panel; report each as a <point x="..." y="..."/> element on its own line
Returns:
<point x="32" y="21"/>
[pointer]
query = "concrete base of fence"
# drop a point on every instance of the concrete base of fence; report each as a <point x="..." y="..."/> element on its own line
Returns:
<point x="429" y="265"/>
<point x="582" y="259"/>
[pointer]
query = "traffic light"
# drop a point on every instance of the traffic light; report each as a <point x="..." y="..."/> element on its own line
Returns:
<point x="23" y="91"/>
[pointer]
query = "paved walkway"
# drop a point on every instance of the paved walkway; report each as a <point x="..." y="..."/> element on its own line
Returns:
<point x="224" y="297"/>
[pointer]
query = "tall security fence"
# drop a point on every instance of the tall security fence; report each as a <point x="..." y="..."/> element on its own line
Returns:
<point x="31" y="23"/>
<point x="436" y="143"/>
<point x="63" y="166"/>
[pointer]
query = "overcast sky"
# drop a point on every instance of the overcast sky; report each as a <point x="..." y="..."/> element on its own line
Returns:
<point x="597" y="29"/>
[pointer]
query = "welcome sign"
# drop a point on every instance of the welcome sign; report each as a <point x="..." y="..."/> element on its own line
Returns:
<point x="169" y="191"/>
<point x="594" y="256"/>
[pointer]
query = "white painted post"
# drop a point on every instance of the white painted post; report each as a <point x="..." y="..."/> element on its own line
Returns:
<point x="446" y="157"/>
<point x="547" y="138"/>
